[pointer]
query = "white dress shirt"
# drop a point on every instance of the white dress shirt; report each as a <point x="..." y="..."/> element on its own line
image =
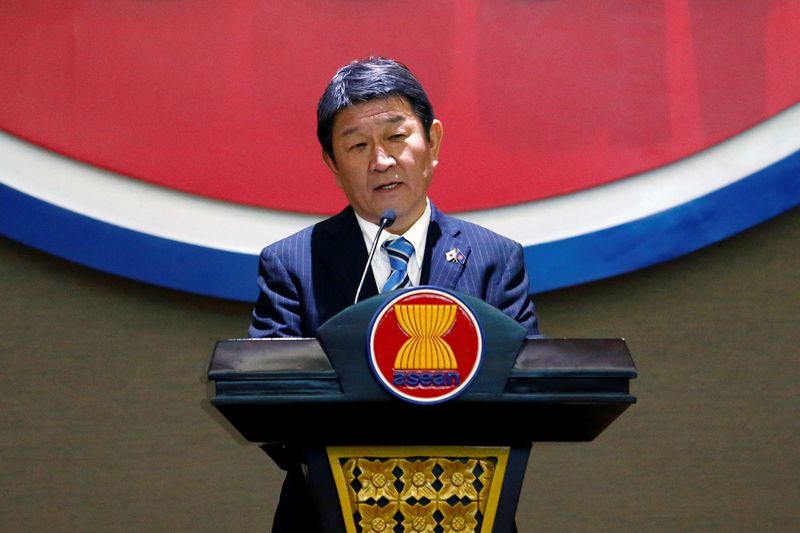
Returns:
<point x="417" y="235"/>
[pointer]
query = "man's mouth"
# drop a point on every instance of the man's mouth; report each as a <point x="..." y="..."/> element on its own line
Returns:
<point x="387" y="187"/>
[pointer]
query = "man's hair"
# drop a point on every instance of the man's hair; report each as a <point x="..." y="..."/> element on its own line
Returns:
<point x="368" y="79"/>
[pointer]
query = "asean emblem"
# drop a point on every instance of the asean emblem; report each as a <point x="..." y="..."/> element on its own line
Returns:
<point x="425" y="345"/>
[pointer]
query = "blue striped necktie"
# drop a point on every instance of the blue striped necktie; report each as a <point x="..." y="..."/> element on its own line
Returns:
<point x="399" y="250"/>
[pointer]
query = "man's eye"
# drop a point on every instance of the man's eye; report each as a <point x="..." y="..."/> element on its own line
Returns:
<point x="398" y="137"/>
<point x="357" y="146"/>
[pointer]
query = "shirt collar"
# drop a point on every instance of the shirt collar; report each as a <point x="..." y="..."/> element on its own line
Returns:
<point x="417" y="234"/>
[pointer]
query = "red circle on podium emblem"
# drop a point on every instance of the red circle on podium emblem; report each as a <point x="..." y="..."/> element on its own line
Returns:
<point x="425" y="345"/>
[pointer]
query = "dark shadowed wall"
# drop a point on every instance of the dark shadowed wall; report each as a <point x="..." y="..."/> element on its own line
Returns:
<point x="105" y="425"/>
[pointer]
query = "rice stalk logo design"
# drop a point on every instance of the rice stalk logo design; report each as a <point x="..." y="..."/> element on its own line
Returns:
<point x="425" y="349"/>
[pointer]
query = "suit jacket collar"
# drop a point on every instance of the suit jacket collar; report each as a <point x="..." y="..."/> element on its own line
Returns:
<point x="341" y="249"/>
<point x="444" y="234"/>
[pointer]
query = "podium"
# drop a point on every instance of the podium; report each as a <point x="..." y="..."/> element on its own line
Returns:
<point x="374" y="461"/>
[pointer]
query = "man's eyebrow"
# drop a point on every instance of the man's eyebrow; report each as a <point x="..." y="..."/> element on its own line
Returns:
<point x="395" y="118"/>
<point x="391" y="119"/>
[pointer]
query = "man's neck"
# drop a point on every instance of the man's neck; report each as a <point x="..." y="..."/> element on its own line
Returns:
<point x="401" y="226"/>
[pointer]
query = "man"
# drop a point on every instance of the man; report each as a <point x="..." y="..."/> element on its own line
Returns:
<point x="381" y="141"/>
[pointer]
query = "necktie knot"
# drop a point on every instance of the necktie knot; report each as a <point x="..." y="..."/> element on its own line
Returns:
<point x="400" y="251"/>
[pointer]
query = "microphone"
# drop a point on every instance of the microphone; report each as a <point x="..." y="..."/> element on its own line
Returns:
<point x="387" y="219"/>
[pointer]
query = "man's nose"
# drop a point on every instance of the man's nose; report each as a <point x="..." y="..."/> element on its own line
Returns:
<point x="381" y="160"/>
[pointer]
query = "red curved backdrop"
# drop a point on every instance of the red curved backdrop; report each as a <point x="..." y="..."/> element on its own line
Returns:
<point x="540" y="98"/>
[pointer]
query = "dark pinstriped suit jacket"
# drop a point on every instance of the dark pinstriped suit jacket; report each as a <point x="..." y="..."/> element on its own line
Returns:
<point x="307" y="278"/>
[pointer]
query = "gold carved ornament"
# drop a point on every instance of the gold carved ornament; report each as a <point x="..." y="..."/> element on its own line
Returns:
<point x="418" y="488"/>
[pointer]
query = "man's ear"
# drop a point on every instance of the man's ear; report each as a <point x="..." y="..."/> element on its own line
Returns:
<point x="436" y="134"/>
<point x="331" y="164"/>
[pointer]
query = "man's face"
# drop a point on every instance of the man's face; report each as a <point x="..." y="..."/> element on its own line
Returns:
<point x="383" y="160"/>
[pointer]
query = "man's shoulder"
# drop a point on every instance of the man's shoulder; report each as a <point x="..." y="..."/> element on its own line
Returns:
<point x="470" y="230"/>
<point x="291" y="242"/>
<point x="303" y="238"/>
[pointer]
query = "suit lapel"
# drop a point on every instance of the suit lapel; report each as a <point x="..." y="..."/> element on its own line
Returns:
<point x="340" y="248"/>
<point x="340" y="255"/>
<point x="443" y="236"/>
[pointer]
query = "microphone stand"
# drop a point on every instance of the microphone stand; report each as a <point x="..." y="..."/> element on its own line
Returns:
<point x="387" y="220"/>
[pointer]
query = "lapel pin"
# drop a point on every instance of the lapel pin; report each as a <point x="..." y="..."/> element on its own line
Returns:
<point x="455" y="256"/>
